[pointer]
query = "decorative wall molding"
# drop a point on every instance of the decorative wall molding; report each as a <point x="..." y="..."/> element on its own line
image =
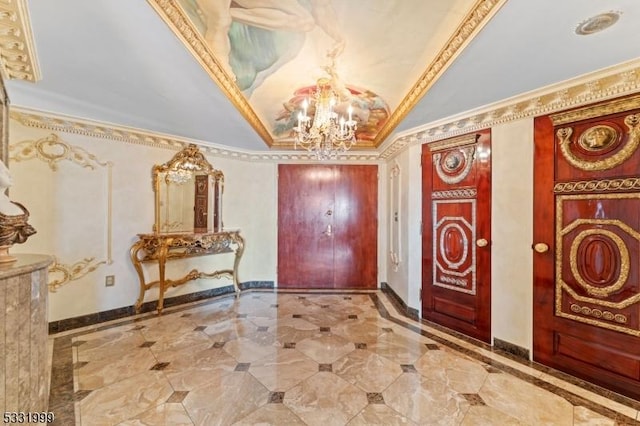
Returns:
<point x="605" y="84"/>
<point x="51" y="150"/>
<point x="59" y="123"/>
<point x="17" y="49"/>
<point x="470" y="26"/>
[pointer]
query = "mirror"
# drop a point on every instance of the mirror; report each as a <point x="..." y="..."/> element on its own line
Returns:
<point x="188" y="193"/>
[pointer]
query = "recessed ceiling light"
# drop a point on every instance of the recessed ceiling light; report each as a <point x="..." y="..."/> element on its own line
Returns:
<point x="597" y="23"/>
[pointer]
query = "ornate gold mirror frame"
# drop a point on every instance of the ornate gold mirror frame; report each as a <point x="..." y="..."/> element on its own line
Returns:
<point x="188" y="167"/>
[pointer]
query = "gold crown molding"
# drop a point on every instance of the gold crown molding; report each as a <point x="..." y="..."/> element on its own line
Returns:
<point x="17" y="50"/>
<point x="607" y="84"/>
<point x="620" y="105"/>
<point x="479" y="15"/>
<point x="173" y="15"/>
<point x="57" y="123"/>
<point x="51" y="150"/>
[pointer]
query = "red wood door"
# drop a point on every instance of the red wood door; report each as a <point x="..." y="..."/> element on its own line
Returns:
<point x="456" y="241"/>
<point x="587" y="238"/>
<point x="327" y="226"/>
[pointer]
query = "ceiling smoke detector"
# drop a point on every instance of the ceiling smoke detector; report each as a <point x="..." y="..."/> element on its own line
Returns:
<point x="598" y="23"/>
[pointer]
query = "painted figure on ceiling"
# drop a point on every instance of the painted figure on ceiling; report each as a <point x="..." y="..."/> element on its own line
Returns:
<point x="253" y="38"/>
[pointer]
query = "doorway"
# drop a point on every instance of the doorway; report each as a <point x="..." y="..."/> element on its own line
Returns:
<point x="456" y="238"/>
<point x="327" y="226"/>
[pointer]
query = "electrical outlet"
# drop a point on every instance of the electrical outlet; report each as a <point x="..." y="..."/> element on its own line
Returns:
<point x="109" y="280"/>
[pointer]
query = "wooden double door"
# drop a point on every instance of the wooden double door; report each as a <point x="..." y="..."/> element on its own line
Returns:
<point x="587" y="243"/>
<point x="327" y="226"/>
<point x="456" y="240"/>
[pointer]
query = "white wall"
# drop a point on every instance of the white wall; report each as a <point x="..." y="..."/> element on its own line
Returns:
<point x="406" y="279"/>
<point x="512" y="222"/>
<point x="68" y="209"/>
<point x="511" y="228"/>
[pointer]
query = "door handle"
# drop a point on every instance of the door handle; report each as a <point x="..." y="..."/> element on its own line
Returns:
<point x="482" y="242"/>
<point x="540" y="247"/>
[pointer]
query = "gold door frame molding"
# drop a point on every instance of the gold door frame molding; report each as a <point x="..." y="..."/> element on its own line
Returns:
<point x="395" y="216"/>
<point x="18" y="59"/>
<point x="561" y="286"/>
<point x="51" y="150"/>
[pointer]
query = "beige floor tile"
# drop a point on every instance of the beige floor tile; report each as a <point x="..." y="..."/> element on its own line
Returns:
<point x="245" y="350"/>
<point x="283" y="369"/>
<point x="164" y="414"/>
<point x="380" y="415"/>
<point x="461" y="374"/>
<point x="226" y="400"/>
<point x="325" y="399"/>
<point x="525" y="401"/>
<point x="584" y="417"/>
<point x="325" y="349"/>
<point x="103" y="372"/>
<point x="369" y="371"/>
<point x="125" y="399"/>
<point x="271" y="414"/>
<point x="483" y="415"/>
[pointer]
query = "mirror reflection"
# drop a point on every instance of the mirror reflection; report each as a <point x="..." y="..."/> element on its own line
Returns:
<point x="188" y="194"/>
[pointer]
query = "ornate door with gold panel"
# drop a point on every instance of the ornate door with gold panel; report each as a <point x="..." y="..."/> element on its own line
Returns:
<point x="200" y="209"/>
<point x="456" y="241"/>
<point x="587" y="243"/>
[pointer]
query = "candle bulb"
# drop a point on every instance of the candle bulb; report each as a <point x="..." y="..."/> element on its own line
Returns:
<point x="350" y="112"/>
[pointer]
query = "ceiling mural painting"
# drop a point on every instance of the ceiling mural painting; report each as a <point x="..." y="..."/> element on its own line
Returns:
<point x="378" y="55"/>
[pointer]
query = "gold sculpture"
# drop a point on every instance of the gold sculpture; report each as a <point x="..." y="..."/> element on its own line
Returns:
<point x="14" y="226"/>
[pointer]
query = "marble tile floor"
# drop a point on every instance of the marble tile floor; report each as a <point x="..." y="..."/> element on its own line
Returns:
<point x="307" y="358"/>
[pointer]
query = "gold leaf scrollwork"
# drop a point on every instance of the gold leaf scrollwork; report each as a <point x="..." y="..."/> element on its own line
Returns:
<point x="71" y="272"/>
<point x="624" y="263"/>
<point x="468" y="153"/>
<point x="53" y="150"/>
<point x="631" y="121"/>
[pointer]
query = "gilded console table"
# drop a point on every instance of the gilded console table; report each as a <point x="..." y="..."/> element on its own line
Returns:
<point x="161" y="247"/>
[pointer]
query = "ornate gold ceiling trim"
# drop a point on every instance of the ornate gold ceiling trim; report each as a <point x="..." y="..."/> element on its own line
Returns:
<point x="173" y="15"/>
<point x="606" y="84"/>
<point x="479" y="15"/>
<point x="17" y="50"/>
<point x="79" y="126"/>
<point x="620" y="105"/>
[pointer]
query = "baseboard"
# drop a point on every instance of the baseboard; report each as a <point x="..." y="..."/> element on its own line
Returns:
<point x="510" y="348"/>
<point x="126" y="311"/>
<point x="410" y="312"/>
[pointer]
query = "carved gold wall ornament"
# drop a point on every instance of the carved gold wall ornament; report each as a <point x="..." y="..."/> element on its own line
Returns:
<point x="467" y="275"/>
<point x="468" y="154"/>
<point x="453" y="142"/>
<point x="17" y="48"/>
<point x="626" y="184"/>
<point x="597" y="313"/>
<point x="562" y="288"/>
<point x="455" y="193"/>
<point x="594" y="111"/>
<point x="60" y="273"/>
<point x="52" y="150"/>
<point x="597" y="138"/>
<point x="564" y="136"/>
<point x="622" y="251"/>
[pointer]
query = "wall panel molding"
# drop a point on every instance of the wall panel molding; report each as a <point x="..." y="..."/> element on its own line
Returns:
<point x="52" y="150"/>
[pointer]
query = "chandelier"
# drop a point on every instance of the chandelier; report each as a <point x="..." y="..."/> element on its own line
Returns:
<point x="327" y="135"/>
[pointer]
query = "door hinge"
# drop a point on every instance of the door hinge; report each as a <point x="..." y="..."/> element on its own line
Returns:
<point x="421" y="227"/>
<point x="420" y="294"/>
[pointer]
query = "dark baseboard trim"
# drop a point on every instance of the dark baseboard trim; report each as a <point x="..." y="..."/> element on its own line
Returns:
<point x="410" y="312"/>
<point x="510" y="348"/>
<point x="127" y="311"/>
